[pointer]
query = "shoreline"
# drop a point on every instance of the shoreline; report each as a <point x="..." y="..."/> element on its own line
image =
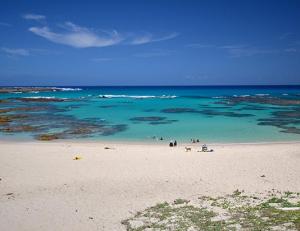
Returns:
<point x="163" y="143"/>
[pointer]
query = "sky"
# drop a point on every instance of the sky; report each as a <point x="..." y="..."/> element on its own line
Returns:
<point x="149" y="42"/>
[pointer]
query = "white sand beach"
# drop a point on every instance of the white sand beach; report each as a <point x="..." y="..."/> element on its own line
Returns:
<point x="43" y="188"/>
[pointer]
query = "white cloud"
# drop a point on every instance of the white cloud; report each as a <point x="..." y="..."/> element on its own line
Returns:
<point x="149" y="38"/>
<point x="79" y="37"/>
<point x="15" y="51"/>
<point x="36" y="17"/>
<point x="73" y="35"/>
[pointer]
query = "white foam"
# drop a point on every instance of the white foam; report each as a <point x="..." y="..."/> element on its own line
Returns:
<point x="139" y="96"/>
<point x="218" y="97"/>
<point x="43" y="97"/>
<point x="261" y="94"/>
<point x="168" y="96"/>
<point x="66" y="89"/>
<point x="39" y="97"/>
<point x="241" y="96"/>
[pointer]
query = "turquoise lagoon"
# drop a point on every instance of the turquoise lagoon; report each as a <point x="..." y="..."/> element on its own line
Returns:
<point x="211" y="114"/>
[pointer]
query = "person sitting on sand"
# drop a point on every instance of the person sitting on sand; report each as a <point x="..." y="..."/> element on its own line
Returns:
<point x="175" y="143"/>
<point x="205" y="149"/>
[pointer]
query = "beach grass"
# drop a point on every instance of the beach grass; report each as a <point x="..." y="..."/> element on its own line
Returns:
<point x="238" y="211"/>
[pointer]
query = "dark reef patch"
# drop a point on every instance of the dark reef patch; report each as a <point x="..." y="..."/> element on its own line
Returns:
<point x="3" y="101"/>
<point x="205" y="112"/>
<point x="113" y="129"/>
<point x="162" y="122"/>
<point x="222" y="113"/>
<point x="153" y="120"/>
<point x="148" y="118"/>
<point x="294" y="113"/>
<point x="26" y="109"/>
<point x="41" y="120"/>
<point x="214" y="107"/>
<point x="74" y="106"/>
<point x="286" y="112"/>
<point x="284" y="120"/>
<point x="149" y="110"/>
<point x="21" y="128"/>
<point x="260" y="100"/>
<point x="48" y="137"/>
<point x="5" y="119"/>
<point x="253" y="108"/>
<point x="28" y="89"/>
<point x="293" y="130"/>
<point x="40" y="99"/>
<point x="179" y="110"/>
<point x="277" y="122"/>
<point x="108" y="106"/>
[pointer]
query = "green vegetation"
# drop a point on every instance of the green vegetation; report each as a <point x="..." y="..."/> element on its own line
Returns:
<point x="275" y="211"/>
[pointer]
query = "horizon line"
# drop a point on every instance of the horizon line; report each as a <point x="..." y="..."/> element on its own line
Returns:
<point x="208" y="85"/>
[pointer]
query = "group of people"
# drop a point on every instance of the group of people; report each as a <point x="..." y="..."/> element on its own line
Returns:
<point x="173" y="143"/>
<point x="205" y="149"/>
<point x="195" y="141"/>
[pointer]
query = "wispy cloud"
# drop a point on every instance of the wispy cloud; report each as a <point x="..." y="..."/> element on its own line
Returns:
<point x="15" y="51"/>
<point x="5" y="24"/>
<point x="150" y="38"/>
<point x="35" y="17"/>
<point x="77" y="36"/>
<point x="154" y="53"/>
<point x="98" y="60"/>
<point x="23" y="52"/>
<point x="285" y="35"/>
<point x="237" y="50"/>
<point x="83" y="37"/>
<point x="290" y="50"/>
<point x="200" y="45"/>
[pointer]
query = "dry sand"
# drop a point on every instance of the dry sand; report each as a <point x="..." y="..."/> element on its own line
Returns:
<point x="43" y="188"/>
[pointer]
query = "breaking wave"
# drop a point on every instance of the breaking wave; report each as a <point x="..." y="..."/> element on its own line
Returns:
<point x="66" y="89"/>
<point x="139" y="96"/>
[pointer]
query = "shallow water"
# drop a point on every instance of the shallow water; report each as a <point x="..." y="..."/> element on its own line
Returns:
<point x="211" y="114"/>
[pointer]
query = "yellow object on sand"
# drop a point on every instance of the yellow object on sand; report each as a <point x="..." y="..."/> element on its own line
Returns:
<point x="77" y="158"/>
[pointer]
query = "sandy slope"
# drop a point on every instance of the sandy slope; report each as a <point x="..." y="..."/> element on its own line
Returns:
<point x="51" y="191"/>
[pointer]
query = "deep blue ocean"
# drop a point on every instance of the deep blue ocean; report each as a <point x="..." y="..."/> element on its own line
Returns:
<point x="210" y="114"/>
